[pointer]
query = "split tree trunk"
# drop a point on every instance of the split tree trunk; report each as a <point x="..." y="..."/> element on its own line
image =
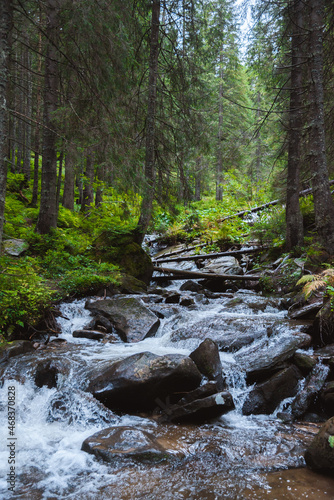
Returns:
<point x="68" y="194"/>
<point x="294" y="219"/>
<point x="48" y="214"/>
<point x="5" y="46"/>
<point x="323" y="203"/>
<point x="146" y="206"/>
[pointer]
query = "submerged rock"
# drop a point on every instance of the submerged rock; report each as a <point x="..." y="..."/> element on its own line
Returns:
<point x="124" y="442"/>
<point x="320" y="453"/>
<point x="75" y="406"/>
<point x="132" y="320"/>
<point x="140" y="381"/>
<point x="265" y="397"/>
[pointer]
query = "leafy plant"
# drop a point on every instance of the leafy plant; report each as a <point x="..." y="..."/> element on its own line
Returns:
<point x="313" y="282"/>
<point x="331" y="441"/>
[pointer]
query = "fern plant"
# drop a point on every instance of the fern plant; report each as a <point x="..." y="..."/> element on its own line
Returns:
<point x="313" y="282"/>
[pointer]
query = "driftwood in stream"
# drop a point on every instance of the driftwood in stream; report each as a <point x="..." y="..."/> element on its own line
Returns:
<point x="212" y="255"/>
<point x="181" y="274"/>
<point x="241" y="214"/>
<point x="182" y="250"/>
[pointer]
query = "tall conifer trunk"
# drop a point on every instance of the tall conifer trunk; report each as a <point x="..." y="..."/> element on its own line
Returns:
<point x="47" y="217"/>
<point x="323" y="202"/>
<point x="146" y="206"/>
<point x="294" y="220"/>
<point x="5" y="46"/>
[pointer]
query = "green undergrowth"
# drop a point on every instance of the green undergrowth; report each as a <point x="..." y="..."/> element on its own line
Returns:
<point x="60" y="264"/>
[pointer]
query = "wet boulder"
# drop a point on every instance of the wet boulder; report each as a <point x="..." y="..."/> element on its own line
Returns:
<point x="15" y="348"/>
<point x="265" y="397"/>
<point x="88" y="334"/>
<point x="323" y="325"/>
<point x="207" y="359"/>
<point x="124" y="442"/>
<point x="200" y="410"/>
<point x="320" y="453"/>
<point x="313" y="385"/>
<point x="48" y="371"/>
<point x="191" y="286"/>
<point x="138" y="382"/>
<point x="133" y="321"/>
<point x="264" y="356"/>
<point x="229" y="335"/>
<point x="304" y="362"/>
<point x="223" y="265"/>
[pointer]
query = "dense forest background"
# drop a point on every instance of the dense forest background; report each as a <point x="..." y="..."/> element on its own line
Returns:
<point x="140" y="115"/>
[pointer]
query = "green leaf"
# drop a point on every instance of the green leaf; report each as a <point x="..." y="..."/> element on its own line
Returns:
<point x="331" y="441"/>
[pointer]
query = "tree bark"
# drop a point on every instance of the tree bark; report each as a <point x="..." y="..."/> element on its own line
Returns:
<point x="68" y="194"/>
<point x="146" y="206"/>
<point x="38" y="119"/>
<point x="5" y="46"/>
<point x="220" y="178"/>
<point x="323" y="202"/>
<point x="47" y="217"/>
<point x="88" y="193"/>
<point x="293" y="215"/>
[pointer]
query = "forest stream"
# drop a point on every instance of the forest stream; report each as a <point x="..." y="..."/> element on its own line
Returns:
<point x="233" y="456"/>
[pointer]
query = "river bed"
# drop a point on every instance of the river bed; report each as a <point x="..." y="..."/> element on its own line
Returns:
<point x="233" y="457"/>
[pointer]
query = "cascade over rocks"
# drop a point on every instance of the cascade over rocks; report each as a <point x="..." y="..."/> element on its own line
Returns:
<point x="265" y="397"/>
<point x="141" y="381"/>
<point x="313" y="385"/>
<point x="320" y="453"/>
<point x="132" y="320"/>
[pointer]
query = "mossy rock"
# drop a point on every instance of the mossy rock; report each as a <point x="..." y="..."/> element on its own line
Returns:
<point x="121" y="249"/>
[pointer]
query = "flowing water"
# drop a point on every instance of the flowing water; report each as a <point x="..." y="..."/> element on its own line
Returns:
<point x="233" y="457"/>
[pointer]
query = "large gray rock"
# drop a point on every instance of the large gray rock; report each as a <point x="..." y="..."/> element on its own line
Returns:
<point x="230" y="335"/>
<point x="138" y="382"/>
<point x="320" y="453"/>
<point x="223" y="265"/>
<point x="132" y="320"/>
<point x="124" y="442"/>
<point x="313" y="385"/>
<point x="265" y="397"/>
<point x="207" y="359"/>
<point x="269" y="353"/>
<point x="15" y="247"/>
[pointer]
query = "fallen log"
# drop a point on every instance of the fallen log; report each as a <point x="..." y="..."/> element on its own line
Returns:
<point x="182" y="250"/>
<point x="181" y="274"/>
<point x="212" y="255"/>
<point x="305" y="192"/>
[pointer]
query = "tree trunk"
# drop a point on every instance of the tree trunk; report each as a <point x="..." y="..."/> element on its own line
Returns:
<point x="219" y="180"/>
<point x="60" y="172"/>
<point x="27" y="113"/>
<point x="38" y="120"/>
<point x="323" y="202"/>
<point x="88" y="193"/>
<point x="294" y="219"/>
<point x="68" y="194"/>
<point x="146" y="206"/>
<point x="47" y="217"/>
<point x="5" y="45"/>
